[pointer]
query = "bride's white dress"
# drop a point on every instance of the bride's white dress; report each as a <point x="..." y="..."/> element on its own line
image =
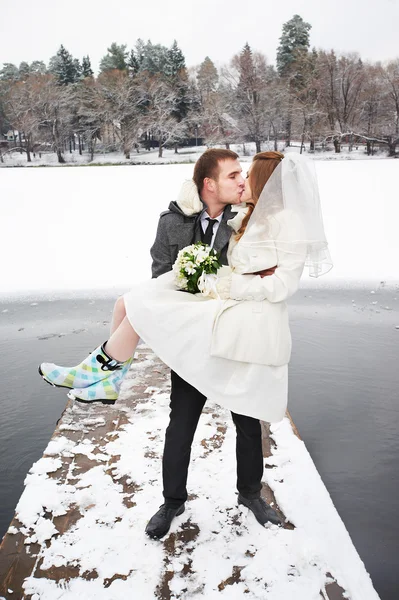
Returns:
<point x="178" y="327"/>
<point x="209" y="342"/>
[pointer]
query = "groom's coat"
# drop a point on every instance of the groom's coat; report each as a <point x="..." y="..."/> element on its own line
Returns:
<point x="176" y="230"/>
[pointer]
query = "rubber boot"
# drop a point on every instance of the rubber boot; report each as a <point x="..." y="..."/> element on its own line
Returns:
<point x="97" y="366"/>
<point x="106" y="390"/>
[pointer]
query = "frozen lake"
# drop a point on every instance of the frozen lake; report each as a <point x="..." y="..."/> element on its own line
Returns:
<point x="92" y="227"/>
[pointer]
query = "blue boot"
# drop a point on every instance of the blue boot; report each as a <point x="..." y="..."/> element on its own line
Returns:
<point x="97" y="366"/>
<point x="106" y="390"/>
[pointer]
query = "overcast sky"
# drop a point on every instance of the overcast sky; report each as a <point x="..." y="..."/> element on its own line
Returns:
<point x="34" y="29"/>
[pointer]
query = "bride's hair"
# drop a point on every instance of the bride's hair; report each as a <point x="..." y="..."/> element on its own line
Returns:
<point x="263" y="165"/>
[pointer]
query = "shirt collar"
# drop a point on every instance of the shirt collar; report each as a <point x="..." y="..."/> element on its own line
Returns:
<point x="204" y="215"/>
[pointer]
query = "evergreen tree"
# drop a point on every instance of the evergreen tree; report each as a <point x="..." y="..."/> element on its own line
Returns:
<point x="133" y="64"/>
<point x="24" y="70"/>
<point x="38" y="66"/>
<point x="246" y="69"/>
<point x="78" y="68"/>
<point x="115" y="59"/>
<point x="9" y="72"/>
<point x="65" y="68"/>
<point x="251" y="98"/>
<point x="176" y="72"/>
<point x="155" y="58"/>
<point x="175" y="61"/>
<point x="139" y="52"/>
<point x="86" y="71"/>
<point x="207" y="77"/>
<point x="294" y="42"/>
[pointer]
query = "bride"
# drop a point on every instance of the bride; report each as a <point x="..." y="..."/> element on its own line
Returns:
<point x="232" y="342"/>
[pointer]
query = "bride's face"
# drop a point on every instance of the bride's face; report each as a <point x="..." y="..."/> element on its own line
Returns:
<point x="247" y="193"/>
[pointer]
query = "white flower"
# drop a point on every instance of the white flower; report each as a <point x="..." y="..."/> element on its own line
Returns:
<point x="201" y="256"/>
<point x="190" y="268"/>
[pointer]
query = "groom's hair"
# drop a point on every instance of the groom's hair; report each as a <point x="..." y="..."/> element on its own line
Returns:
<point x="208" y="165"/>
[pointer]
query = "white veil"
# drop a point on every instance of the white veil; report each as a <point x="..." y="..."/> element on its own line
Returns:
<point x="292" y="188"/>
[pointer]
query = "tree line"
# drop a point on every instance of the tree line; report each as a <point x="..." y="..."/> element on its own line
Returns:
<point x="146" y="96"/>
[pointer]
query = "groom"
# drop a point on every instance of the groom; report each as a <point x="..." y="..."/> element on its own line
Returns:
<point x="219" y="183"/>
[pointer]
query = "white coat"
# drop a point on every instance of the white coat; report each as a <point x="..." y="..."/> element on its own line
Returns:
<point x="252" y="326"/>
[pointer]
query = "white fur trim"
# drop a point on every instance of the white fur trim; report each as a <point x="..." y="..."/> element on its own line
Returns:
<point x="188" y="199"/>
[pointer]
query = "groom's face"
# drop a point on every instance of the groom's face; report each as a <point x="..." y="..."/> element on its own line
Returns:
<point x="229" y="186"/>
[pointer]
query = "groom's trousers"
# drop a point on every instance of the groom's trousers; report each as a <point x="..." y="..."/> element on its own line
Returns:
<point x="186" y="404"/>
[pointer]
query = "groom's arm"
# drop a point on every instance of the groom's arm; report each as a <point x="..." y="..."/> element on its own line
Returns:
<point x="160" y="251"/>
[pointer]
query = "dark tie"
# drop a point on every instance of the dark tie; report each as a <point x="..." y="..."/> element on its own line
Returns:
<point x="207" y="236"/>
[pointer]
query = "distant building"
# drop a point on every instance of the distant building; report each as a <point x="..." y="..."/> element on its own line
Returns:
<point x="11" y="135"/>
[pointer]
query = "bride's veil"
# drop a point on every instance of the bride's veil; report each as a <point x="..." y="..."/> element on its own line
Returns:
<point x="292" y="188"/>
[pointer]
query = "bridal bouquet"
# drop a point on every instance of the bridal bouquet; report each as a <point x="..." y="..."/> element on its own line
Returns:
<point x="195" y="268"/>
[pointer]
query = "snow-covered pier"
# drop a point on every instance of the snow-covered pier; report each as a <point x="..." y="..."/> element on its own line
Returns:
<point x="78" y="530"/>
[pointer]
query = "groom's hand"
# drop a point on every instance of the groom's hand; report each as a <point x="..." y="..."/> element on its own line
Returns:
<point x="266" y="272"/>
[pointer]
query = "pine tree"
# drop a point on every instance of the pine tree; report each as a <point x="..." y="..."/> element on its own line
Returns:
<point x="9" y="72"/>
<point x="133" y="64"/>
<point x="65" y="68"/>
<point x="38" y="66"/>
<point x="87" y="71"/>
<point x="139" y="52"/>
<point x="294" y="42"/>
<point x="207" y="77"/>
<point x="24" y="70"/>
<point x="78" y="69"/>
<point x="176" y="72"/>
<point x="246" y="69"/>
<point x="115" y="59"/>
<point x="155" y="58"/>
<point x="175" y="61"/>
<point x="251" y="98"/>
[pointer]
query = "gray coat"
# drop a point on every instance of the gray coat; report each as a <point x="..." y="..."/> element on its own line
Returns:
<point x="177" y="230"/>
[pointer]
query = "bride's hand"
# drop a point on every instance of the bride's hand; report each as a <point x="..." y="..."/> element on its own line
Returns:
<point x="223" y="286"/>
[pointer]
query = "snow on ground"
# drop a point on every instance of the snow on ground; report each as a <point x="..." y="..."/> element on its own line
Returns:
<point x="92" y="228"/>
<point x="184" y="155"/>
<point x="108" y="539"/>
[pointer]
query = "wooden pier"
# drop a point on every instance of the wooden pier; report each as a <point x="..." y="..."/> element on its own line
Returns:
<point x="22" y="556"/>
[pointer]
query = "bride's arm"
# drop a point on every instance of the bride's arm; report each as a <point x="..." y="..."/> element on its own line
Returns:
<point x="285" y="280"/>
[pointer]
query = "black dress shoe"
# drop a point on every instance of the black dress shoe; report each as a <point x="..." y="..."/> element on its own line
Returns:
<point x="262" y="511"/>
<point x="160" y="523"/>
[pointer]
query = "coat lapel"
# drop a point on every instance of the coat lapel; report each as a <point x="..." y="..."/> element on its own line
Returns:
<point x="224" y="232"/>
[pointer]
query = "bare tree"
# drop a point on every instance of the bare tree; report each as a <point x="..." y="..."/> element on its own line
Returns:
<point x="342" y="79"/>
<point x="391" y="77"/>
<point x="53" y="111"/>
<point x="121" y="110"/>
<point x="159" y="102"/>
<point x="19" y="103"/>
<point x="372" y="107"/>
<point x="90" y="113"/>
<point x="39" y="106"/>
